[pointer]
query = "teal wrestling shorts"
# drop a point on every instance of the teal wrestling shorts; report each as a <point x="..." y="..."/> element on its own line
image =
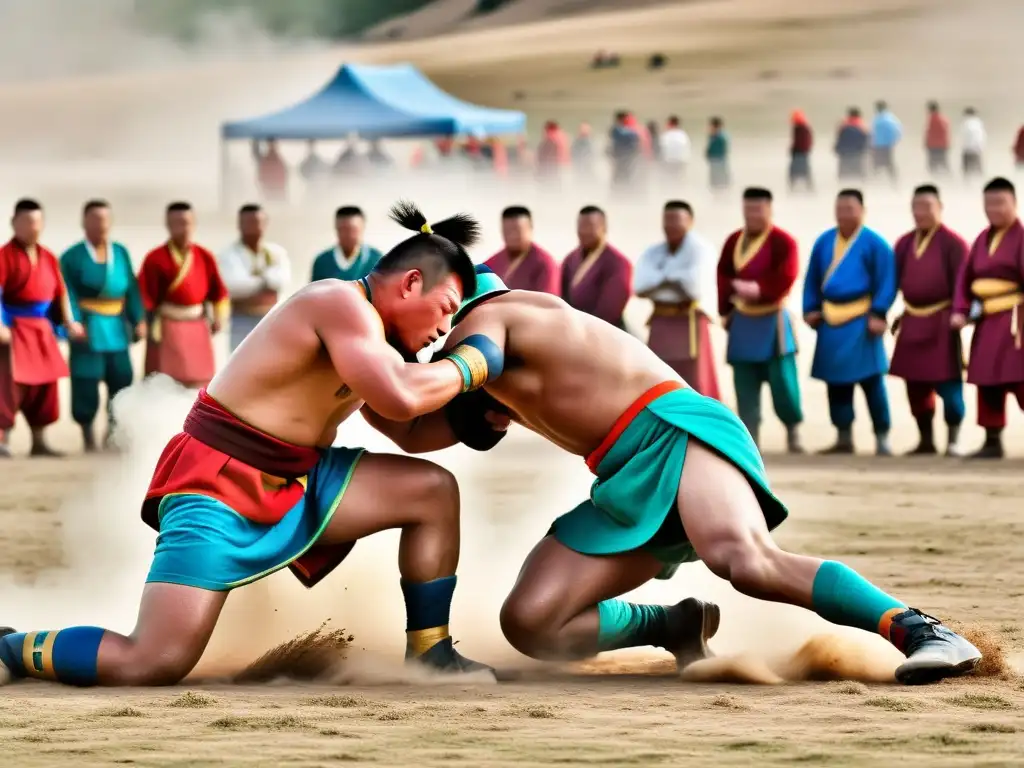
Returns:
<point x="232" y="504"/>
<point x="633" y="501"/>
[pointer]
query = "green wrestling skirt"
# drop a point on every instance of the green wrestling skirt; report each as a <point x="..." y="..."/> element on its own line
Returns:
<point x="632" y="502"/>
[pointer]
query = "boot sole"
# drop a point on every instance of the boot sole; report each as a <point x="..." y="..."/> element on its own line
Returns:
<point x="928" y="675"/>
<point x="695" y="645"/>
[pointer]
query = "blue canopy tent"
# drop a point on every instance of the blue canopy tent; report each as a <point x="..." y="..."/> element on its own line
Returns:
<point x="376" y="102"/>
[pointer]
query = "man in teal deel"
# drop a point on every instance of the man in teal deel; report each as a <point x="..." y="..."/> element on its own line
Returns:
<point x="104" y="298"/>
<point x="351" y="258"/>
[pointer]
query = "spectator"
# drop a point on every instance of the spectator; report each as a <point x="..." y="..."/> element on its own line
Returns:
<point x="972" y="140"/>
<point x="717" y="154"/>
<point x="886" y="132"/>
<point x="624" y="150"/>
<point x="852" y="145"/>
<point x="800" y="151"/>
<point x="271" y="171"/>
<point x="674" y="144"/>
<point x="582" y="153"/>
<point x="936" y="140"/>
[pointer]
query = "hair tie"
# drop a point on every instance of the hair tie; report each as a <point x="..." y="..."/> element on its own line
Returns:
<point x="426" y="230"/>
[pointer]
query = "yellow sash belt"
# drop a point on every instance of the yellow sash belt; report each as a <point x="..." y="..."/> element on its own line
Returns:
<point x="838" y="313"/>
<point x="173" y="312"/>
<point x="927" y="310"/>
<point x="105" y="307"/>
<point x="1000" y="296"/>
<point x="690" y="310"/>
<point x="756" y="310"/>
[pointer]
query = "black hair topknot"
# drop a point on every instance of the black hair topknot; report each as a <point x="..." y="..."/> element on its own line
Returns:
<point x="461" y="229"/>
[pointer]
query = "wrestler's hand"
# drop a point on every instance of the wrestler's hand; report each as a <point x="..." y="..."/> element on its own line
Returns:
<point x="140" y="332"/>
<point x="76" y="332"/>
<point x="479" y="360"/>
<point x="499" y="421"/>
<point x="877" y="325"/>
<point x="958" y="321"/>
<point x="813" y="319"/>
<point x="726" y="321"/>
<point x="215" y="326"/>
<point x="5" y="334"/>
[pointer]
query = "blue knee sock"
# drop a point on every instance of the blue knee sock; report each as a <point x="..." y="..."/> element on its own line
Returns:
<point x="842" y="596"/>
<point x="427" y="609"/>
<point x="67" y="655"/>
<point x="628" y="625"/>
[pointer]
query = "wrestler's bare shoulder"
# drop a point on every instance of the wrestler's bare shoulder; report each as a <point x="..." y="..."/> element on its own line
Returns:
<point x="281" y="379"/>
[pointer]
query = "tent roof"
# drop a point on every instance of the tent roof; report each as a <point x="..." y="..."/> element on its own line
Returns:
<point x="377" y="101"/>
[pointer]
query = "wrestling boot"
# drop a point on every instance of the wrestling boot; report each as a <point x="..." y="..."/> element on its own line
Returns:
<point x="689" y="625"/>
<point x="882" y="445"/>
<point x="442" y="657"/>
<point x="5" y="673"/>
<point x="993" y="446"/>
<point x="953" y="447"/>
<point x="926" y="447"/>
<point x="793" y="444"/>
<point x="934" y="652"/>
<point x="843" y="446"/>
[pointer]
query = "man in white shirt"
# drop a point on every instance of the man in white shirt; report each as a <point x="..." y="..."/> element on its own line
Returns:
<point x="972" y="140"/>
<point x="255" y="272"/>
<point x="675" y="149"/>
<point x="677" y="276"/>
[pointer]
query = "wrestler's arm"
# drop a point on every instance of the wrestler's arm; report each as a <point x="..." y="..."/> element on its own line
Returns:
<point x="354" y="338"/>
<point x="422" y="434"/>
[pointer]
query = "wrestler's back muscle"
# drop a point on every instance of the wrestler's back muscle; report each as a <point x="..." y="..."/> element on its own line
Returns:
<point x="281" y="379"/>
<point x="568" y="375"/>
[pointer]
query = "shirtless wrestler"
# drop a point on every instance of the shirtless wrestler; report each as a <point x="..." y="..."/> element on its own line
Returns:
<point x="252" y="483"/>
<point x="678" y="478"/>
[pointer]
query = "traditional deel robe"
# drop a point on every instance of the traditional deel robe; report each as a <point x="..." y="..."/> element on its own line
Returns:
<point x="929" y="353"/>
<point x="254" y="280"/>
<point x="993" y="275"/>
<point x="679" y="327"/>
<point x="598" y="282"/>
<point x="104" y="298"/>
<point x="762" y="343"/>
<point x="848" y="280"/>
<point x="927" y="266"/>
<point x="176" y="290"/>
<point x="33" y="303"/>
<point x="332" y="263"/>
<point x="534" y="270"/>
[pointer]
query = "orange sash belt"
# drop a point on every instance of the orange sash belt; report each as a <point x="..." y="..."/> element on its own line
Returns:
<point x="648" y="397"/>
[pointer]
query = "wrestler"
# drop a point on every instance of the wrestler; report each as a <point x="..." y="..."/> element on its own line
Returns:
<point x="660" y="498"/>
<point x="252" y="483"/>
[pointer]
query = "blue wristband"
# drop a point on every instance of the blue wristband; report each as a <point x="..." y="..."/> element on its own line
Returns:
<point x="479" y="360"/>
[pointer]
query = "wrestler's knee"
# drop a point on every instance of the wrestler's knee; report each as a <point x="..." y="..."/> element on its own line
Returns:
<point x="531" y="626"/>
<point x="437" y="491"/>
<point x="149" y="666"/>
<point x="746" y="559"/>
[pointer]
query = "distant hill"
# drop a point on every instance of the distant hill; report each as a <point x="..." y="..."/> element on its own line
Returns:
<point x="443" y="16"/>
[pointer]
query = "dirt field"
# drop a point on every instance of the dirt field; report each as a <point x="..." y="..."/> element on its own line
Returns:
<point x="943" y="535"/>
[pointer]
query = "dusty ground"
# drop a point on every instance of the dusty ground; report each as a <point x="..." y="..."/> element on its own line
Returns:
<point x="943" y="535"/>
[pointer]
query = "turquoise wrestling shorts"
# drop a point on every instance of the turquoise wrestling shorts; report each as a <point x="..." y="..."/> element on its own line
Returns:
<point x="245" y="524"/>
<point x="632" y="502"/>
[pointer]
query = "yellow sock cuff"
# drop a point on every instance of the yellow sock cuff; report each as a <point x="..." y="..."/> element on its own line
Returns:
<point x="420" y="641"/>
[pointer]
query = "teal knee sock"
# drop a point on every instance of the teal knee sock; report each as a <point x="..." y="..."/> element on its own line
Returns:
<point x="843" y="596"/>
<point x="628" y="625"/>
<point x="67" y="655"/>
